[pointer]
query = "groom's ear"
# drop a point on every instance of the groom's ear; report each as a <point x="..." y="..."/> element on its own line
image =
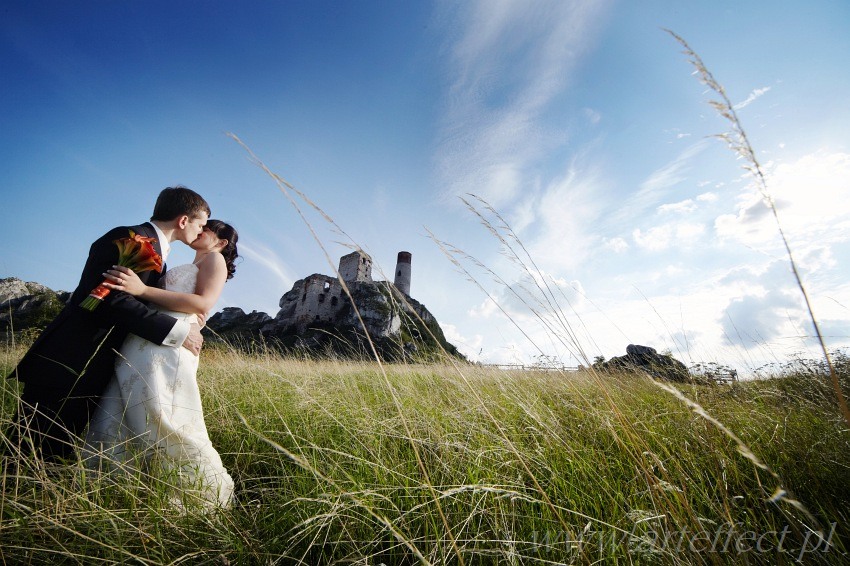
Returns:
<point x="182" y="221"/>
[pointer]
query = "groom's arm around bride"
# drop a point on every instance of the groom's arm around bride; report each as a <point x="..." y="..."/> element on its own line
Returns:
<point x="68" y="366"/>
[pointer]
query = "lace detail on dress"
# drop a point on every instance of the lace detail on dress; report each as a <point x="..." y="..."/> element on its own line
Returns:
<point x="182" y="278"/>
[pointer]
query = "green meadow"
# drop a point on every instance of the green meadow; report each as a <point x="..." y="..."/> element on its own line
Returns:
<point x="358" y="463"/>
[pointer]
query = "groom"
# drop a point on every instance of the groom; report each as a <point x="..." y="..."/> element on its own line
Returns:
<point x="68" y="366"/>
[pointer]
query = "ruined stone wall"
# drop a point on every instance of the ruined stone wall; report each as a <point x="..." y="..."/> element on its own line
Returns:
<point x="356" y="266"/>
<point x="317" y="298"/>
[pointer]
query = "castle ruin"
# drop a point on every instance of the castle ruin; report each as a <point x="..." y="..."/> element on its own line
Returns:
<point x="318" y="316"/>
<point x="322" y="299"/>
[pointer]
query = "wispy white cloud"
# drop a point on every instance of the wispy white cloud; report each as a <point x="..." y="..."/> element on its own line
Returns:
<point x="469" y="347"/>
<point x="531" y="293"/>
<point x="486" y="309"/>
<point x="509" y="59"/>
<point x="658" y="238"/>
<point x="681" y="207"/>
<point x="755" y="94"/>
<point x="764" y="307"/>
<point x="659" y="181"/>
<point x="592" y="115"/>
<point x="811" y="195"/>
<point x="752" y="321"/>
<point x="566" y="210"/>
<point x="670" y="174"/>
<point x="618" y="245"/>
<point x="269" y="259"/>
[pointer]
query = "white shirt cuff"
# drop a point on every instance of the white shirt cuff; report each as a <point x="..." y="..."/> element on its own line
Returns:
<point x="178" y="334"/>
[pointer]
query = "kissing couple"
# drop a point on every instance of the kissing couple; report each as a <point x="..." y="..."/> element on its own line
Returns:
<point x="122" y="356"/>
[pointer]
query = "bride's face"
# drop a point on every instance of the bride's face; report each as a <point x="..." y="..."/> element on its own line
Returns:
<point x="207" y="242"/>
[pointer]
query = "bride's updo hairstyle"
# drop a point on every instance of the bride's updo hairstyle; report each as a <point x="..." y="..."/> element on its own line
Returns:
<point x="227" y="232"/>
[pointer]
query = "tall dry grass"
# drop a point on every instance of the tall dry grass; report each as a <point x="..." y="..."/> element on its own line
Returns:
<point x="326" y="472"/>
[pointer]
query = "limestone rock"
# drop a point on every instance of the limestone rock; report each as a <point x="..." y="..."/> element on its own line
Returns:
<point x="647" y="359"/>
<point x="233" y="325"/>
<point x="28" y="305"/>
<point x="317" y="314"/>
<point x="13" y="288"/>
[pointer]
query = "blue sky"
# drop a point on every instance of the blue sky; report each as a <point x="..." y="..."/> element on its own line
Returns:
<point x="579" y="121"/>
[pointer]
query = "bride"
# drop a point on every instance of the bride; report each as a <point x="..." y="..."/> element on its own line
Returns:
<point x="152" y="405"/>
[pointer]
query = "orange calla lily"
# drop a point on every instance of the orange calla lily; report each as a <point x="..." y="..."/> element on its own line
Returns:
<point x="135" y="252"/>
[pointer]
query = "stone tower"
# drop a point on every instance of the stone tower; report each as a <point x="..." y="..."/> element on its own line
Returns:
<point x="356" y="266"/>
<point x="402" y="272"/>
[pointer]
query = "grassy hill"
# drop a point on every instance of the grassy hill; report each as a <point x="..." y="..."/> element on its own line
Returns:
<point x="339" y="462"/>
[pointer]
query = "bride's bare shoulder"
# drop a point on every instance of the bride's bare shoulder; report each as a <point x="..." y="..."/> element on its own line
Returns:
<point x="212" y="260"/>
<point x="210" y="257"/>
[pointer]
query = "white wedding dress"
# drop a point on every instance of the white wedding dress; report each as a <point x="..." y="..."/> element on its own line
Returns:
<point x="152" y="409"/>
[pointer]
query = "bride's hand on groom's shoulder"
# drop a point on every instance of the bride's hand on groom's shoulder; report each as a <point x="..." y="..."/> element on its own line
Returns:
<point x="123" y="279"/>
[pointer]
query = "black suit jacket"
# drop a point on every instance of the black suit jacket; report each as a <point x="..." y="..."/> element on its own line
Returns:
<point x="68" y="366"/>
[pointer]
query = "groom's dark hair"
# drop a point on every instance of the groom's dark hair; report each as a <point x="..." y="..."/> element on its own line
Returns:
<point x="177" y="201"/>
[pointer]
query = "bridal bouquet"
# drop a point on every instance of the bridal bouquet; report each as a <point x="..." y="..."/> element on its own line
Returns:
<point x="136" y="253"/>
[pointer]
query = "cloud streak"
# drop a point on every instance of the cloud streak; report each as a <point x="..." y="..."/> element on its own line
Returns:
<point x="266" y="257"/>
<point x="659" y="181"/>
<point x="508" y="61"/>
<point x="755" y="94"/>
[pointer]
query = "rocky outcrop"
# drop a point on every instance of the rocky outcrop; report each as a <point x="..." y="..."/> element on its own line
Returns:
<point x="646" y="359"/>
<point x="13" y="288"/>
<point x="351" y="313"/>
<point x="231" y="324"/>
<point x="317" y="318"/>
<point x="26" y="305"/>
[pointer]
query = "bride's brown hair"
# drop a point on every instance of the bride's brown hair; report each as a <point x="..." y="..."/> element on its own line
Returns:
<point x="225" y="231"/>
